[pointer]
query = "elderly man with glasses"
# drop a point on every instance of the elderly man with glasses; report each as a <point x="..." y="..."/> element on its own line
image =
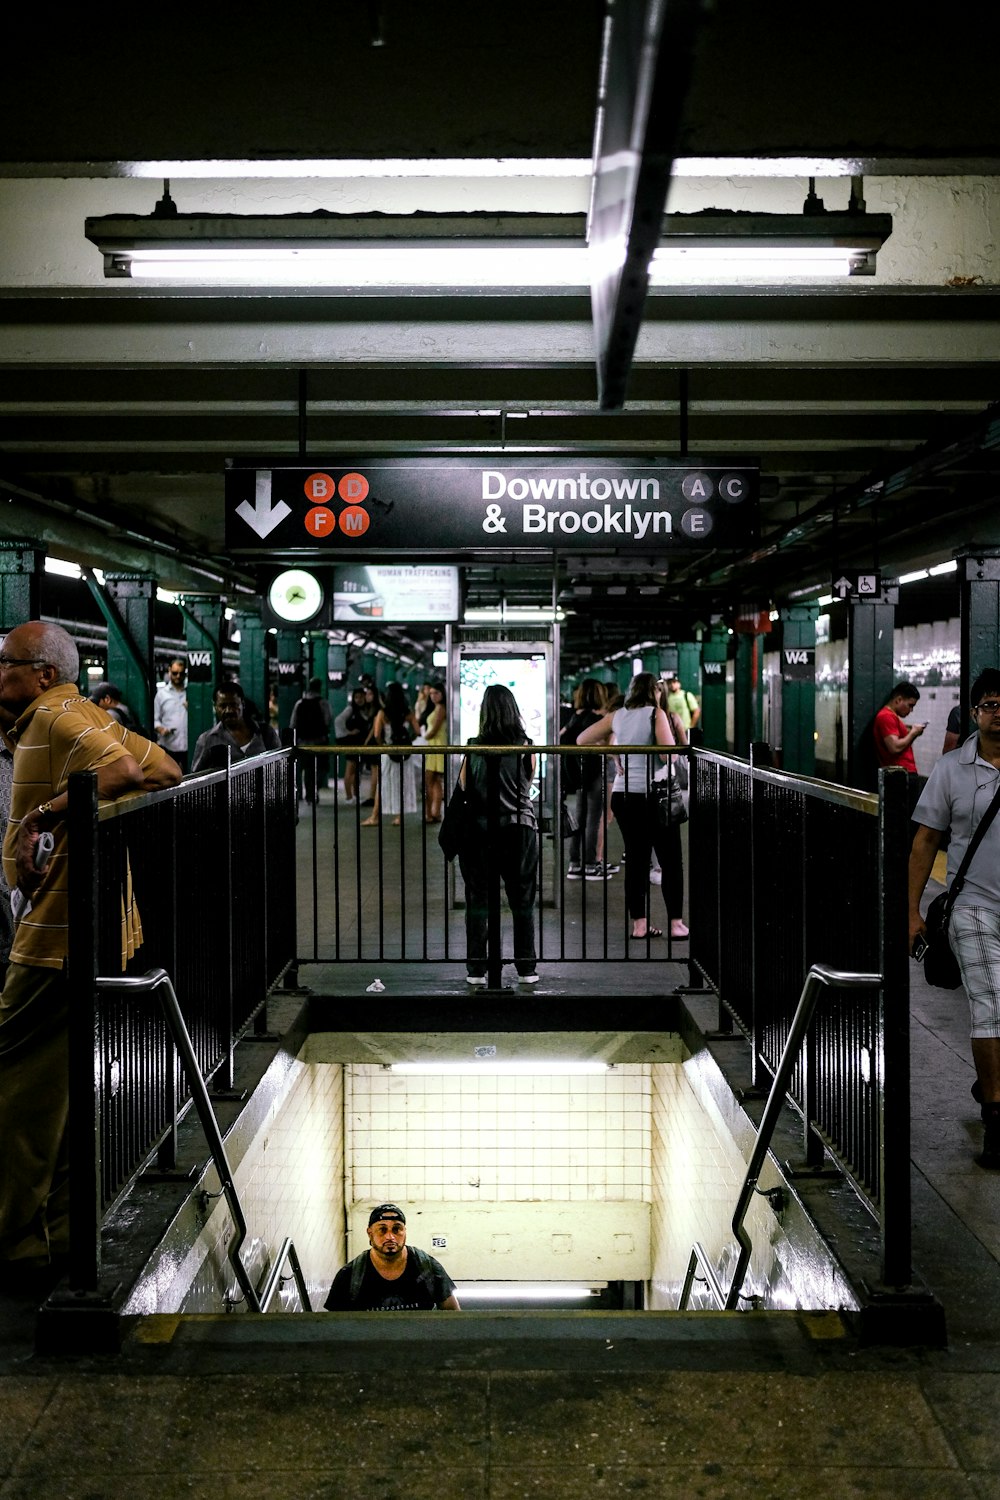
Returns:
<point x="957" y="795"/>
<point x="56" y="731"/>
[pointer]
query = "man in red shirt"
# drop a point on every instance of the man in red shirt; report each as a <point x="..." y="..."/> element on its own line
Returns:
<point x="893" y="741"/>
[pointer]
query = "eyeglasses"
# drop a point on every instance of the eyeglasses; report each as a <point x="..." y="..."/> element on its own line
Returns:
<point x="988" y="705"/>
<point x="22" y="661"/>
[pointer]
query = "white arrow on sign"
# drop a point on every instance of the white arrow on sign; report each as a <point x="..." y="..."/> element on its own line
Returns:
<point x="262" y="517"/>
<point x="843" y="587"/>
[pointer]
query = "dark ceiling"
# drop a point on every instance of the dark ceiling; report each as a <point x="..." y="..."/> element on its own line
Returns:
<point x="871" y="408"/>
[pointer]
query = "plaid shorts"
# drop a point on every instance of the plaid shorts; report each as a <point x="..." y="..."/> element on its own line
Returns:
<point x="975" y="941"/>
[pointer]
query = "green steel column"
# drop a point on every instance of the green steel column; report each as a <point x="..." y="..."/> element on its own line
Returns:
<point x="870" y="676"/>
<point x="291" y="676"/>
<point x="21" y="568"/>
<point x="319" y="657"/>
<point x="745" y="717"/>
<point x="688" y="666"/>
<point x="127" y="601"/>
<point x="253" y="654"/>
<point x="798" y="688"/>
<point x="203" y="630"/>
<point x="979" y="610"/>
<point x="668" y="662"/>
<point x="714" y="655"/>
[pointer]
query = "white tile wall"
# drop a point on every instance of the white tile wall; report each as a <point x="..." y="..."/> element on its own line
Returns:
<point x="496" y="1139"/>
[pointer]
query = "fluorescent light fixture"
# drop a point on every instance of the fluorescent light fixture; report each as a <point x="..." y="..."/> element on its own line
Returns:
<point x="945" y="567"/>
<point x="439" y="659"/>
<point x="517" y="1291"/>
<point x="62" y="568"/>
<point x="512" y="614"/>
<point x="166" y="596"/>
<point x="912" y="577"/>
<point x="824" y="600"/>
<point x="473" y="251"/>
<point x="541" y="1067"/>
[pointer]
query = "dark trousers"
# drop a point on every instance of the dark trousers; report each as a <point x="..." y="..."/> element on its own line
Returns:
<point x="637" y="818"/>
<point x="516" y="859"/>
<point x="589" y="812"/>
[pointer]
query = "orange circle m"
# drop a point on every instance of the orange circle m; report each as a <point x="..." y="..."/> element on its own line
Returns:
<point x="353" y="489"/>
<point x="320" y="488"/>
<point x="354" y="521"/>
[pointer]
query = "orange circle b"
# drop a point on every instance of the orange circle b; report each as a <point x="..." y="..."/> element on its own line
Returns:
<point x="353" y="489"/>
<point x="319" y="488"/>
<point x="354" y="521"/>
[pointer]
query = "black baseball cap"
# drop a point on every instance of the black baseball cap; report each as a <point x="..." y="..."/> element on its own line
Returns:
<point x="386" y="1211"/>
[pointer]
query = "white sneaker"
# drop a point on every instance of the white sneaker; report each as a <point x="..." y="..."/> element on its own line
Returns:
<point x="476" y="979"/>
<point x="527" y="978"/>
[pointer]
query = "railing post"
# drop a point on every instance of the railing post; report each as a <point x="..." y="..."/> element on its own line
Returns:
<point x="892" y="1069"/>
<point x="84" y="1124"/>
<point x="760" y="757"/>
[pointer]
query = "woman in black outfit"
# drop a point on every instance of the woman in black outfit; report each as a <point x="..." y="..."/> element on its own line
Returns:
<point x="504" y="837"/>
<point x="583" y="780"/>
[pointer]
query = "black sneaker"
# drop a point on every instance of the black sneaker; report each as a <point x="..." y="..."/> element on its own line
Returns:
<point x="574" y="873"/>
<point x="597" y="872"/>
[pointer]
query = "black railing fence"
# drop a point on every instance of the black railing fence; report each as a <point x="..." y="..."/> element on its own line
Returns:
<point x="381" y="889"/>
<point x="787" y="872"/>
<point x="211" y="864"/>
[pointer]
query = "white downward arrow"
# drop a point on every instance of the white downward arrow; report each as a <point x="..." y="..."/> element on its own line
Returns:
<point x="261" y="516"/>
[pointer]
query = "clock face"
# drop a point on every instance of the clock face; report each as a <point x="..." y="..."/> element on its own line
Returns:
<point x="295" y="596"/>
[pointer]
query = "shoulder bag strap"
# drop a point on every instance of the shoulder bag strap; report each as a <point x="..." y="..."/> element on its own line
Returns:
<point x="974" y="843"/>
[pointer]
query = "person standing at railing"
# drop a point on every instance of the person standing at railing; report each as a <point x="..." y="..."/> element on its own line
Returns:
<point x="351" y="727"/>
<point x="958" y="793"/>
<point x="583" y="780"/>
<point x="57" y="732"/>
<point x="237" y="733"/>
<point x="434" y="727"/>
<point x="642" y="722"/>
<point x="170" y="713"/>
<point x="514" y="855"/>
<point x="395" y="724"/>
<point x="310" y="723"/>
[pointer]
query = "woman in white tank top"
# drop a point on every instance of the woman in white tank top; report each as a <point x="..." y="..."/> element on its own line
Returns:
<point x="643" y="722"/>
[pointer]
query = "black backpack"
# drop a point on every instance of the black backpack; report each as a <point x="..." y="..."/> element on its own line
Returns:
<point x="310" y="722"/>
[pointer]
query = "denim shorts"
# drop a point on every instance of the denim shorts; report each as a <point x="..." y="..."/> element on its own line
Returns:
<point x="975" y="941"/>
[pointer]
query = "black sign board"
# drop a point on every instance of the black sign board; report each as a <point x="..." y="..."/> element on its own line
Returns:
<point x="426" y="505"/>
<point x="857" y="586"/>
<point x="201" y="666"/>
<point x="798" y="663"/>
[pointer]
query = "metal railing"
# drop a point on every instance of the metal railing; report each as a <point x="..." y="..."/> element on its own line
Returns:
<point x="157" y="981"/>
<point x="211" y="864"/>
<point x="385" y="892"/>
<point x="817" y="978"/>
<point x="788" y="873"/>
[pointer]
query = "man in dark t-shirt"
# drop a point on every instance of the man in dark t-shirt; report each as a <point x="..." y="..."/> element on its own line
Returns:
<point x="391" y="1276"/>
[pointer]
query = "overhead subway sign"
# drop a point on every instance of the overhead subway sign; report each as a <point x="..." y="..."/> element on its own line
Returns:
<point x="430" y="504"/>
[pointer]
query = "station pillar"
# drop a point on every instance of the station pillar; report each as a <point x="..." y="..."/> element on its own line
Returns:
<point x="203" y="626"/>
<point x="21" y="568"/>
<point x="979" y="611"/>
<point x="798" y="688"/>
<point x="688" y="666"/>
<point x="870" y="676"/>
<point x="253" y="655"/>
<point x="714" y="655"/>
<point x="126" y="601"/>
<point x="291" y="677"/>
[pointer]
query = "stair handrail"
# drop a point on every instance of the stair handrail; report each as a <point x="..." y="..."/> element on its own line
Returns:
<point x="158" y="980"/>
<point x="820" y="976"/>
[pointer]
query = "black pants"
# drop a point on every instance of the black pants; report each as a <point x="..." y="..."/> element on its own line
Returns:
<point x="516" y="859"/>
<point x="589" y="812"/>
<point x="637" y="818"/>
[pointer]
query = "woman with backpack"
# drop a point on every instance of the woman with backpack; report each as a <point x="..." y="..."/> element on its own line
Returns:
<point x="395" y="724"/>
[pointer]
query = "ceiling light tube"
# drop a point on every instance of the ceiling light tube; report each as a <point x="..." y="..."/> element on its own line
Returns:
<point x="517" y="1068"/>
<point x="526" y="1291"/>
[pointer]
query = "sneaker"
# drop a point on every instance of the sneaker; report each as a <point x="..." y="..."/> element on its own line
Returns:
<point x="613" y="866"/>
<point x="597" y="872"/>
<point x="574" y="873"/>
<point x="656" y="877"/>
<point x="527" y="978"/>
<point x="476" y="979"/>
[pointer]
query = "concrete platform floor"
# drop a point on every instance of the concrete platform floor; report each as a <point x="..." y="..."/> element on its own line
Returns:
<point x="429" y="1408"/>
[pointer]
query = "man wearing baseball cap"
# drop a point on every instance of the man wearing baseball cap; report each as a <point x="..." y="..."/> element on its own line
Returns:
<point x="392" y="1276"/>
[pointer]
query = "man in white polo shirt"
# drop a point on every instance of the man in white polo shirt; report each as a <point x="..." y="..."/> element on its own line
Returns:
<point x="958" y="792"/>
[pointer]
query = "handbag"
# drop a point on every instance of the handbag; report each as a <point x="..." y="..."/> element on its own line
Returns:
<point x="451" y="834"/>
<point x="671" y="803"/>
<point x="940" y="964"/>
